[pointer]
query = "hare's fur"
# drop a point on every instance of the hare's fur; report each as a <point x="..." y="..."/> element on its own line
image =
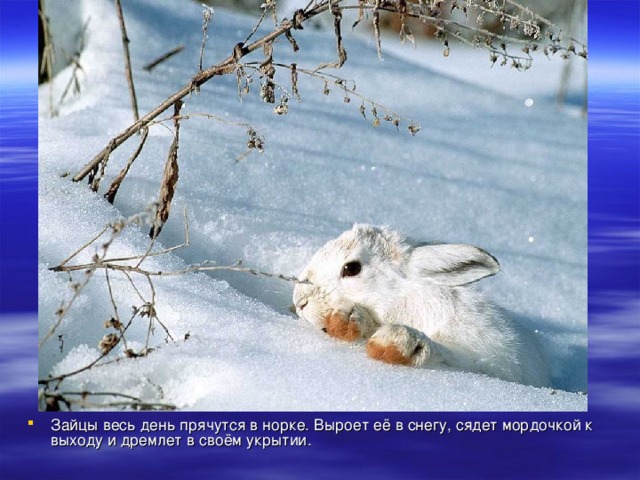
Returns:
<point x="413" y="304"/>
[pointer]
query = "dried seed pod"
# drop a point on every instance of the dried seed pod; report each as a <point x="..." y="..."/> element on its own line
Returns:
<point x="108" y="342"/>
<point x="282" y="108"/>
<point x="113" y="323"/>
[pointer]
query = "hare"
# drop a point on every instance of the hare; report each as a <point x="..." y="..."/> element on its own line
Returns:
<point x="413" y="305"/>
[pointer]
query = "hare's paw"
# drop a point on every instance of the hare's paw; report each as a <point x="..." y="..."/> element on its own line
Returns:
<point x="350" y="326"/>
<point x="400" y="345"/>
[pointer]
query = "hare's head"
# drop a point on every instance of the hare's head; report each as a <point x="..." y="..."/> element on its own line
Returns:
<point x="372" y="266"/>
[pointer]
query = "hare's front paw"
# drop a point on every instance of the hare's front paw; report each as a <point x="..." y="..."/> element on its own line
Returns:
<point x="400" y="345"/>
<point x="350" y="326"/>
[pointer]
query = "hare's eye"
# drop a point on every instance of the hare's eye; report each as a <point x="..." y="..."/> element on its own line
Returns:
<point x="351" y="269"/>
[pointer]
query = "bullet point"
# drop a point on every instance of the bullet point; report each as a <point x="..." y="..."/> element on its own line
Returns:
<point x="30" y="423"/>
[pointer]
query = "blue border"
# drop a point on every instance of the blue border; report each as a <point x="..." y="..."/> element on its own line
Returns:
<point x="609" y="451"/>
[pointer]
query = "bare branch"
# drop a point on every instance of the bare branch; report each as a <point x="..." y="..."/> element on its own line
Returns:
<point x="48" y="55"/>
<point x="127" y="62"/>
<point x="207" y="15"/>
<point x="115" y="185"/>
<point x="52" y="401"/>
<point x="342" y="52"/>
<point x="154" y="63"/>
<point x="376" y="27"/>
<point x="83" y="247"/>
<point x="169" y="177"/>
<point x="226" y="66"/>
<point x="203" y="267"/>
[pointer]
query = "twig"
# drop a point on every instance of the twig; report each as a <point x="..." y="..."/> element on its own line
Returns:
<point x="105" y="352"/>
<point x="153" y="314"/>
<point x="169" y="177"/>
<point x="73" y="80"/>
<point x="127" y="62"/>
<point x="75" y="60"/>
<point x="48" y="55"/>
<point x="226" y="66"/>
<point x="118" y="324"/>
<point x="115" y="185"/>
<point x="135" y="402"/>
<point x="65" y="307"/>
<point x="207" y="15"/>
<point x="78" y="287"/>
<point x="257" y="25"/>
<point x="342" y="52"/>
<point x="148" y="253"/>
<point x="60" y="378"/>
<point x="229" y="65"/>
<point x="208" y="116"/>
<point x="153" y="64"/>
<point x="204" y="267"/>
<point x="346" y="86"/>
<point x="83" y="247"/>
<point x="376" y="27"/>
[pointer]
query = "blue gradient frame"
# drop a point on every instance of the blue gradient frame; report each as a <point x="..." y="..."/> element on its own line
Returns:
<point x="610" y="451"/>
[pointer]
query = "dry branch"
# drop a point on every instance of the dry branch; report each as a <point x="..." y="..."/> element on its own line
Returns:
<point x="154" y="63"/>
<point x="115" y="185"/>
<point x="115" y="263"/>
<point x="127" y="62"/>
<point x="53" y="401"/>
<point x="203" y="267"/>
<point x="169" y="177"/>
<point x="425" y="12"/>
<point x="133" y="269"/>
<point x="342" y="52"/>
<point x="207" y="15"/>
<point x="224" y="67"/>
<point x="48" y="55"/>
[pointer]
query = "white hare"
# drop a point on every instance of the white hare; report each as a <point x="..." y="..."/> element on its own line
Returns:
<point x="412" y="304"/>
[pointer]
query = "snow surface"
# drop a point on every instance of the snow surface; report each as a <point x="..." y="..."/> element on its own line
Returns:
<point x="485" y="169"/>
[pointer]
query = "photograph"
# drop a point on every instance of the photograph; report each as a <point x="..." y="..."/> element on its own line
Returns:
<point x="330" y="207"/>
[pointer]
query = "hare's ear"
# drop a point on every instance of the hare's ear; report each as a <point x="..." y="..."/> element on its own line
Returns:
<point x="451" y="264"/>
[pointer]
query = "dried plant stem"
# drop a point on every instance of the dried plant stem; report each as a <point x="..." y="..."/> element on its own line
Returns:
<point x="154" y="63"/>
<point x="204" y="267"/>
<point x="114" y="304"/>
<point x="48" y="55"/>
<point x="83" y="247"/>
<point x="257" y="25"/>
<point x="73" y="80"/>
<point x="224" y="67"/>
<point x="59" y="378"/>
<point x="130" y="401"/>
<point x="115" y="185"/>
<point x="208" y="116"/>
<point x="534" y="16"/>
<point x="127" y="62"/>
<point x="376" y="27"/>
<point x="75" y="60"/>
<point x="348" y="87"/>
<point x="207" y="15"/>
<point x="116" y="229"/>
<point x="342" y="52"/>
<point x="111" y="263"/>
<point x="169" y="177"/>
<point x="425" y="12"/>
<point x="65" y="307"/>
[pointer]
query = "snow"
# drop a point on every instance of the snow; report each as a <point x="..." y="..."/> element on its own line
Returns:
<point x="485" y="169"/>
